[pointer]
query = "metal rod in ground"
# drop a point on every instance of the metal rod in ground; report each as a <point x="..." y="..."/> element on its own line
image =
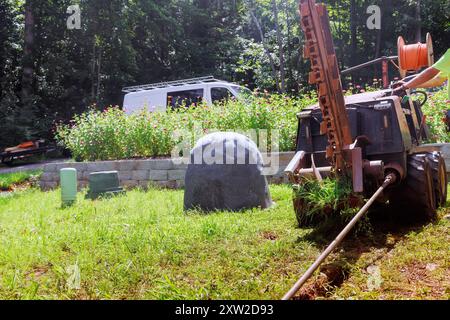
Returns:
<point x="389" y="179"/>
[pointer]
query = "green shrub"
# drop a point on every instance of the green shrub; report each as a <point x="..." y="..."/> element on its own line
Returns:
<point x="435" y="111"/>
<point x="112" y="135"/>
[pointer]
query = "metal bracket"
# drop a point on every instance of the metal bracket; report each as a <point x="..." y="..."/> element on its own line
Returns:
<point x="315" y="170"/>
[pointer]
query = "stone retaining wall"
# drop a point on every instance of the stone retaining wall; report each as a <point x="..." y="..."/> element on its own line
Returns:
<point x="444" y="148"/>
<point x="139" y="173"/>
<point x="164" y="173"/>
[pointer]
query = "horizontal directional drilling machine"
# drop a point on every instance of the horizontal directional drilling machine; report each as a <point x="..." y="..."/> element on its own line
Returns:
<point x="374" y="140"/>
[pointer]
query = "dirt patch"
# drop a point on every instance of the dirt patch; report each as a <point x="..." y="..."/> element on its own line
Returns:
<point x="269" y="235"/>
<point x="38" y="271"/>
<point x="421" y="275"/>
<point x="331" y="276"/>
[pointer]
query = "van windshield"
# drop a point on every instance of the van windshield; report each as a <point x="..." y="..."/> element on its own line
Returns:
<point x="242" y="91"/>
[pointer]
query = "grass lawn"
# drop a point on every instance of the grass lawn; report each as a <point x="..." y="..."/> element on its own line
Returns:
<point x="143" y="246"/>
<point x="413" y="264"/>
<point x="10" y="180"/>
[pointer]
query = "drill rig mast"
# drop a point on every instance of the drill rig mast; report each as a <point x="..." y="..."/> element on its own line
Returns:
<point x="319" y="49"/>
<point x="342" y="153"/>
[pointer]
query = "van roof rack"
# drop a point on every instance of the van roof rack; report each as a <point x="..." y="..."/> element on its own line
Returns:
<point x="165" y="84"/>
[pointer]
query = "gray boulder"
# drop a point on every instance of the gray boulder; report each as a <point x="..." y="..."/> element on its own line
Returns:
<point x="226" y="173"/>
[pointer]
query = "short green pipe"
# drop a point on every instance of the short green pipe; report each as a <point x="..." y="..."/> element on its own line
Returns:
<point x="69" y="185"/>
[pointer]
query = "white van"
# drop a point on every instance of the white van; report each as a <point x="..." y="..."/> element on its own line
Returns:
<point x="160" y="96"/>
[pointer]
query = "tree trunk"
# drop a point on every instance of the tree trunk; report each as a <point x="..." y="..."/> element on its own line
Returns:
<point x="280" y="47"/>
<point x="99" y="74"/>
<point x="94" y="62"/>
<point x="28" y="61"/>
<point x="353" y="36"/>
<point x="289" y="39"/>
<point x="266" y="49"/>
<point x="386" y="16"/>
<point x="380" y="34"/>
<point x="353" y="31"/>
<point x="378" y="45"/>
<point x="341" y="52"/>
<point x="419" y="22"/>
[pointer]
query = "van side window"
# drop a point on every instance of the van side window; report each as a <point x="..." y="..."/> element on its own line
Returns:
<point x="187" y="98"/>
<point x="220" y="94"/>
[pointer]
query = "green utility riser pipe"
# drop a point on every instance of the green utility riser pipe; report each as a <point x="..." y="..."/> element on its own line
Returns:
<point x="69" y="184"/>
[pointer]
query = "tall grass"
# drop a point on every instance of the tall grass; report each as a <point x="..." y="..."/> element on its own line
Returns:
<point x="329" y="204"/>
<point x="112" y="135"/>
<point x="9" y="180"/>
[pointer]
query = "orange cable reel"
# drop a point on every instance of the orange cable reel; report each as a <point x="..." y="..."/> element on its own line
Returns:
<point x="414" y="57"/>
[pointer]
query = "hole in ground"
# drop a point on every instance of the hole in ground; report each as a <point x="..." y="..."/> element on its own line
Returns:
<point x="331" y="276"/>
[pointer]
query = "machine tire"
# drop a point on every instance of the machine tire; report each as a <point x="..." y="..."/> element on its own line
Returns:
<point x="416" y="194"/>
<point x="440" y="180"/>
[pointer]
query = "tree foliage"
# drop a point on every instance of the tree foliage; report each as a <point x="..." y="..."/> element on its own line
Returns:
<point x="126" y="42"/>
